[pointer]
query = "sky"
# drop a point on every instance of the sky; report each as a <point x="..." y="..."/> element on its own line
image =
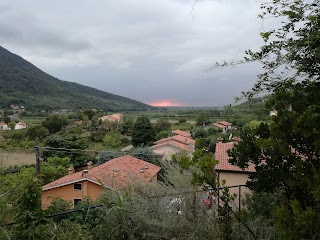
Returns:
<point x="153" y="51"/>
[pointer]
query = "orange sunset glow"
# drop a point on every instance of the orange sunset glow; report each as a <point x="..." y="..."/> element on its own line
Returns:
<point x="164" y="103"/>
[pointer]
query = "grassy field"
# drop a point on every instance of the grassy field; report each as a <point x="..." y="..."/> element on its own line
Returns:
<point x="33" y="120"/>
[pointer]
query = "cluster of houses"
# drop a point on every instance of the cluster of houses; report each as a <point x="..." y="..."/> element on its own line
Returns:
<point x="17" y="126"/>
<point x="118" y="173"/>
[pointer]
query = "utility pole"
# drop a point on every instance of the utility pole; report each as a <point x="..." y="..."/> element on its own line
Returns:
<point x="37" y="149"/>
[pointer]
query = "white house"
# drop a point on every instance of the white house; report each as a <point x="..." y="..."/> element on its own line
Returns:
<point x="20" y="125"/>
<point x="4" y="126"/>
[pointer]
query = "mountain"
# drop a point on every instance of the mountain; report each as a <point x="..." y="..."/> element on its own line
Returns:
<point x="24" y="84"/>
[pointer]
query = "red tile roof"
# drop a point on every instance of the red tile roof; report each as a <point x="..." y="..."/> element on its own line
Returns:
<point x="225" y="123"/>
<point x="182" y="133"/>
<point x="114" y="174"/>
<point x="221" y="155"/>
<point x="236" y="139"/>
<point x="175" y="144"/>
<point x="219" y="125"/>
<point x="2" y="124"/>
<point x="177" y="138"/>
<point x="114" y="117"/>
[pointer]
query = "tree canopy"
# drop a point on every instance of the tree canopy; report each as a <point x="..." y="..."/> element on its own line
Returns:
<point x="143" y="132"/>
<point x="286" y="150"/>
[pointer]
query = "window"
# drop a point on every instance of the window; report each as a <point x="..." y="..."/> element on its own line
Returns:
<point x="77" y="186"/>
<point x="76" y="201"/>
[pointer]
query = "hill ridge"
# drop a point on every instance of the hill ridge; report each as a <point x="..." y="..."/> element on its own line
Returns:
<point x="21" y="82"/>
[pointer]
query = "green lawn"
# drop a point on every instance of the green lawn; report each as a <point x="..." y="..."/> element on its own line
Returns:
<point x="33" y="120"/>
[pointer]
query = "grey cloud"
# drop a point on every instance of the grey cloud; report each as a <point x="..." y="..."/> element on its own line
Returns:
<point x="23" y="29"/>
<point x="146" y="50"/>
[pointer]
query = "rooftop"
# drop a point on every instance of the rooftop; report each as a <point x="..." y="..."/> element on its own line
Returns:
<point x="114" y="174"/>
<point x="222" y="156"/>
<point x="182" y="133"/>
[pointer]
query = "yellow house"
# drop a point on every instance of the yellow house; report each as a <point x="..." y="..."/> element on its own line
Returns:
<point x="233" y="175"/>
<point x="115" y="175"/>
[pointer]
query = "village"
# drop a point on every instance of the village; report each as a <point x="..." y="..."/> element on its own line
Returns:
<point x="87" y="180"/>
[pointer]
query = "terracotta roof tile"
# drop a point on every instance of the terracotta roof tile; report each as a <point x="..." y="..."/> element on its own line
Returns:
<point x="113" y="118"/>
<point x="225" y="123"/>
<point x="115" y="174"/>
<point x="182" y="133"/>
<point x="219" y="125"/>
<point x="177" y="138"/>
<point x="173" y="143"/>
<point x="221" y="155"/>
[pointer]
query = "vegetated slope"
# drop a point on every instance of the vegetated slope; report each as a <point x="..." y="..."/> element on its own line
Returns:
<point x="23" y="83"/>
<point x="253" y="105"/>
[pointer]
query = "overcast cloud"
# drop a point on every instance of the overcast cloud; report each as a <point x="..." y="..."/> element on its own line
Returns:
<point x="150" y="51"/>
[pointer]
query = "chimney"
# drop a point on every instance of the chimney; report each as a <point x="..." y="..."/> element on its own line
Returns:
<point x="235" y="139"/>
<point x="146" y="171"/>
<point x="186" y="140"/>
<point x="85" y="173"/>
<point x="141" y="170"/>
<point x="219" y="140"/>
<point x="70" y="170"/>
<point x="89" y="165"/>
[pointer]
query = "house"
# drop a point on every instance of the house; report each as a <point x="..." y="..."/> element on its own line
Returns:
<point x="182" y="133"/>
<point x="20" y="125"/>
<point x="173" y="145"/>
<point x="233" y="175"/>
<point x="4" y="126"/>
<point x="224" y="125"/>
<point x="117" y="117"/>
<point x="273" y="113"/>
<point x="115" y="175"/>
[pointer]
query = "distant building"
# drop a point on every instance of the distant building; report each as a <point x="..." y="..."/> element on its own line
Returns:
<point x="117" y="117"/>
<point x="4" y="126"/>
<point x="224" y="125"/>
<point x="273" y="113"/>
<point x="20" y="125"/>
<point x="173" y="145"/>
<point x="114" y="175"/>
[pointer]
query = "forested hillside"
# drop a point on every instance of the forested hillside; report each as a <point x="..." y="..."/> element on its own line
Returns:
<point x="23" y="83"/>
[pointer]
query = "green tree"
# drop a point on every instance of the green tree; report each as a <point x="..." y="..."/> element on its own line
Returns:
<point x="34" y="132"/>
<point x="127" y="126"/>
<point x="162" y="125"/>
<point x="54" y="123"/>
<point x="162" y="134"/>
<point x="11" y="125"/>
<point x="290" y="163"/>
<point x="291" y="51"/>
<point x="112" y="141"/>
<point x="143" y="132"/>
<point x="29" y="219"/>
<point x="203" y="118"/>
<point x="286" y="151"/>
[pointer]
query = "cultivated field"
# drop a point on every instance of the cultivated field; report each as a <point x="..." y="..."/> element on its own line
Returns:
<point x="8" y="158"/>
